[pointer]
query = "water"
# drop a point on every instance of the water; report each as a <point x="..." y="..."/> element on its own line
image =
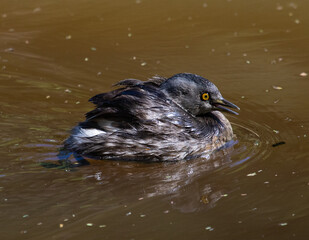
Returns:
<point x="55" y="55"/>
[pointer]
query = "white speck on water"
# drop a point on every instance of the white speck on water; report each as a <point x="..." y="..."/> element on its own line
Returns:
<point x="143" y="64"/>
<point x="38" y="9"/>
<point x="251" y="174"/>
<point x="128" y="213"/>
<point x="275" y="131"/>
<point x="293" y="5"/>
<point x="142" y="215"/>
<point x="129" y="35"/>
<point x="68" y="90"/>
<point x="209" y="228"/>
<point x="25" y="216"/>
<point x="303" y="74"/>
<point x="61" y="225"/>
<point x="277" y="88"/>
<point x="47" y="97"/>
<point x="93" y="49"/>
<point x="283" y="224"/>
<point x="68" y="37"/>
<point x="248" y="62"/>
<point x="78" y="102"/>
<point x="102" y="226"/>
<point x="266" y="182"/>
<point x="89" y="224"/>
<point x="9" y="50"/>
<point x="279" y="7"/>
<point x="86" y="59"/>
<point x="297" y="21"/>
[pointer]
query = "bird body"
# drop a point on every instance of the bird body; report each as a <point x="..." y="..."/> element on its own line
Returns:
<point x="156" y="120"/>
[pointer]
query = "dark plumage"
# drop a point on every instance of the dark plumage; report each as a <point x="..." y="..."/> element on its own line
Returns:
<point x="157" y="120"/>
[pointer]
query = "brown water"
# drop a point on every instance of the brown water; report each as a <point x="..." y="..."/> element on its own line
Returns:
<point x="54" y="55"/>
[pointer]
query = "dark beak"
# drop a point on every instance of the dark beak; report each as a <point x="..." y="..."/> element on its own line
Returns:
<point x="221" y="104"/>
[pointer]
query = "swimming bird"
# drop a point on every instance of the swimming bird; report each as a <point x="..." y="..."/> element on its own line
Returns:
<point x="162" y="119"/>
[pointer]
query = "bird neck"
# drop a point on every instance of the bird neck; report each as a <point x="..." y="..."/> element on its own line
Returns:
<point x="216" y="126"/>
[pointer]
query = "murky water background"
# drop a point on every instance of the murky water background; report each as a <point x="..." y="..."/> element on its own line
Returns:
<point x="55" y="55"/>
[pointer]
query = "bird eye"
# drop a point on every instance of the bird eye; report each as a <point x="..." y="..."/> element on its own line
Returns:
<point x="205" y="96"/>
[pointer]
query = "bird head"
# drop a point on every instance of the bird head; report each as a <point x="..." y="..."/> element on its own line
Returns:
<point x="195" y="94"/>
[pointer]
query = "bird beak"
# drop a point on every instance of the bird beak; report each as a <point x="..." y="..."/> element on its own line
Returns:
<point x="221" y="104"/>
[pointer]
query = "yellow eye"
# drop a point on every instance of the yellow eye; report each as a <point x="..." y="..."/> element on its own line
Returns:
<point x="205" y="96"/>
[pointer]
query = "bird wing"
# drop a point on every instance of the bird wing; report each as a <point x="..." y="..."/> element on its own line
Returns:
<point x="126" y="107"/>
